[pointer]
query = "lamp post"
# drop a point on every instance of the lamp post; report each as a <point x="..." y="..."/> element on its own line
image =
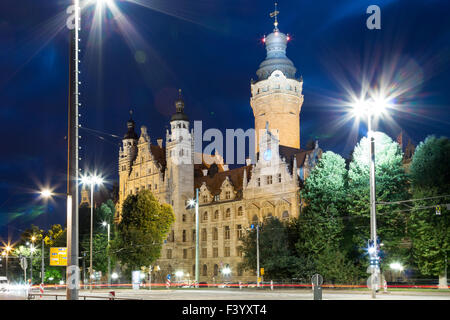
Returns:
<point x="194" y="203"/>
<point x="92" y="181"/>
<point x="105" y="224"/>
<point x="370" y="108"/>
<point x="32" y="249"/>
<point x="8" y="248"/>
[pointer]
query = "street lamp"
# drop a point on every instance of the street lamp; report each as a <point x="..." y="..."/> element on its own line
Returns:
<point x="32" y="249"/>
<point x="374" y="107"/>
<point x="6" y="250"/>
<point x="191" y="204"/>
<point x="106" y="224"/>
<point x="92" y="181"/>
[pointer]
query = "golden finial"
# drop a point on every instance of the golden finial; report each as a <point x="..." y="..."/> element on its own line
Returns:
<point x="275" y="14"/>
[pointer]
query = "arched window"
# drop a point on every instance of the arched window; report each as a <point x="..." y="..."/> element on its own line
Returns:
<point x="269" y="215"/>
<point x="205" y="216"/>
<point x="205" y="270"/>
<point x="240" y="211"/>
<point x="255" y="218"/>
<point x="285" y="215"/>
<point x="215" y="234"/>
<point x="216" y="215"/>
<point x="204" y="234"/>
<point x="216" y="270"/>
<point x="228" y="213"/>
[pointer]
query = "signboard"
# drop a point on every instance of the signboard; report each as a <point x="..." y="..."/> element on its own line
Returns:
<point x="262" y="271"/>
<point x="58" y="257"/>
<point x="136" y="279"/>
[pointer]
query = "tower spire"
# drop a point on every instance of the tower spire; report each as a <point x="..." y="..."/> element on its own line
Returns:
<point x="275" y="14"/>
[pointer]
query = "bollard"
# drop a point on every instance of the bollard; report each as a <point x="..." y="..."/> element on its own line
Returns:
<point x="317" y="281"/>
<point x="271" y="285"/>
<point x="240" y="285"/>
<point x="112" y="295"/>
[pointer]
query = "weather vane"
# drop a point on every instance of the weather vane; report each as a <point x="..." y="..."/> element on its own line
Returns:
<point x="275" y="14"/>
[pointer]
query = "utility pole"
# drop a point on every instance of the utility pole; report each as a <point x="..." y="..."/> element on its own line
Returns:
<point x="373" y="209"/>
<point x="92" y="226"/>
<point x="73" y="272"/>
<point x="197" y="234"/>
<point x="42" y="261"/>
<point x="109" y="260"/>
<point x="257" y="255"/>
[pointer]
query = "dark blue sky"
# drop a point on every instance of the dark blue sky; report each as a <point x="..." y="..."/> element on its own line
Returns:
<point x="211" y="49"/>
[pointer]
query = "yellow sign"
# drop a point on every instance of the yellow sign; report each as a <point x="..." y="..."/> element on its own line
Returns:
<point x="58" y="257"/>
<point x="262" y="271"/>
<point x="259" y="279"/>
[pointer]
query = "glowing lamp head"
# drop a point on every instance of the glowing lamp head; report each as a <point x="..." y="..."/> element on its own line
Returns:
<point x="104" y="223"/>
<point x="179" y="274"/>
<point x="114" y="276"/>
<point x="396" y="266"/>
<point x="372" y="250"/>
<point x="33" y="238"/>
<point x="46" y="193"/>
<point x="226" y="271"/>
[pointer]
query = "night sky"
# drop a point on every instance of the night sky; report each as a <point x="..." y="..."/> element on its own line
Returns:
<point x="138" y="56"/>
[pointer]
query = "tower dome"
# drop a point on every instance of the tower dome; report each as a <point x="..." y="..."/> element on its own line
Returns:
<point x="131" y="134"/>
<point x="179" y="115"/>
<point x="276" y="59"/>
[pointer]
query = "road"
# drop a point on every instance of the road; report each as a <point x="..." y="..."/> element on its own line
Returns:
<point x="235" y="294"/>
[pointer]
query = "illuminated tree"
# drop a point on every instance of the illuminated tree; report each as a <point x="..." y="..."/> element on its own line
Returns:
<point x="430" y="232"/>
<point x="140" y="234"/>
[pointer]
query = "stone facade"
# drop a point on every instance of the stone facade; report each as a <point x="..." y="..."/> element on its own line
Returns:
<point x="229" y="200"/>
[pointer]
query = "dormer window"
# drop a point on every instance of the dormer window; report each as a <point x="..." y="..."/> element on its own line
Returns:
<point x="216" y="197"/>
<point x="228" y="195"/>
<point x="205" y="198"/>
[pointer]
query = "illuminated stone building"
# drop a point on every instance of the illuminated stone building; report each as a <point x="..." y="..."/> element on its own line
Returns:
<point x="230" y="200"/>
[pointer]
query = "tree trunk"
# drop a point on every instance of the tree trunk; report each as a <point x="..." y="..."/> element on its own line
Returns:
<point x="443" y="281"/>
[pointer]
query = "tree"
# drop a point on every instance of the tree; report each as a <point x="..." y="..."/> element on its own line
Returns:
<point x="277" y="255"/>
<point x="391" y="185"/>
<point x="144" y="226"/>
<point x="429" y="232"/>
<point x="321" y="225"/>
<point x="99" y="251"/>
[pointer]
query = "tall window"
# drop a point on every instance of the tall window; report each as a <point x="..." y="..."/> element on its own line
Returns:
<point x="269" y="179"/>
<point x="216" y="270"/>
<point x="205" y="216"/>
<point x="227" y="232"/>
<point x="215" y="252"/>
<point x="184" y="253"/>
<point x="205" y="198"/>
<point x="184" y="235"/>
<point x="169" y="254"/>
<point x="184" y="218"/>
<point x="204" y="252"/>
<point x="285" y="215"/>
<point x="239" y="251"/>
<point x="216" y="215"/>
<point x="204" y="234"/>
<point x="228" y="213"/>
<point x="227" y="195"/>
<point x="205" y="270"/>
<point x="227" y="251"/>
<point x="215" y="234"/>
<point x="240" y="211"/>
<point x="193" y="235"/>
<point x="258" y="182"/>
<point x="239" y="231"/>
<point x="279" y="177"/>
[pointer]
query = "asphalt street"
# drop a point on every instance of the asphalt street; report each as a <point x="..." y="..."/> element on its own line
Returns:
<point x="232" y="294"/>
